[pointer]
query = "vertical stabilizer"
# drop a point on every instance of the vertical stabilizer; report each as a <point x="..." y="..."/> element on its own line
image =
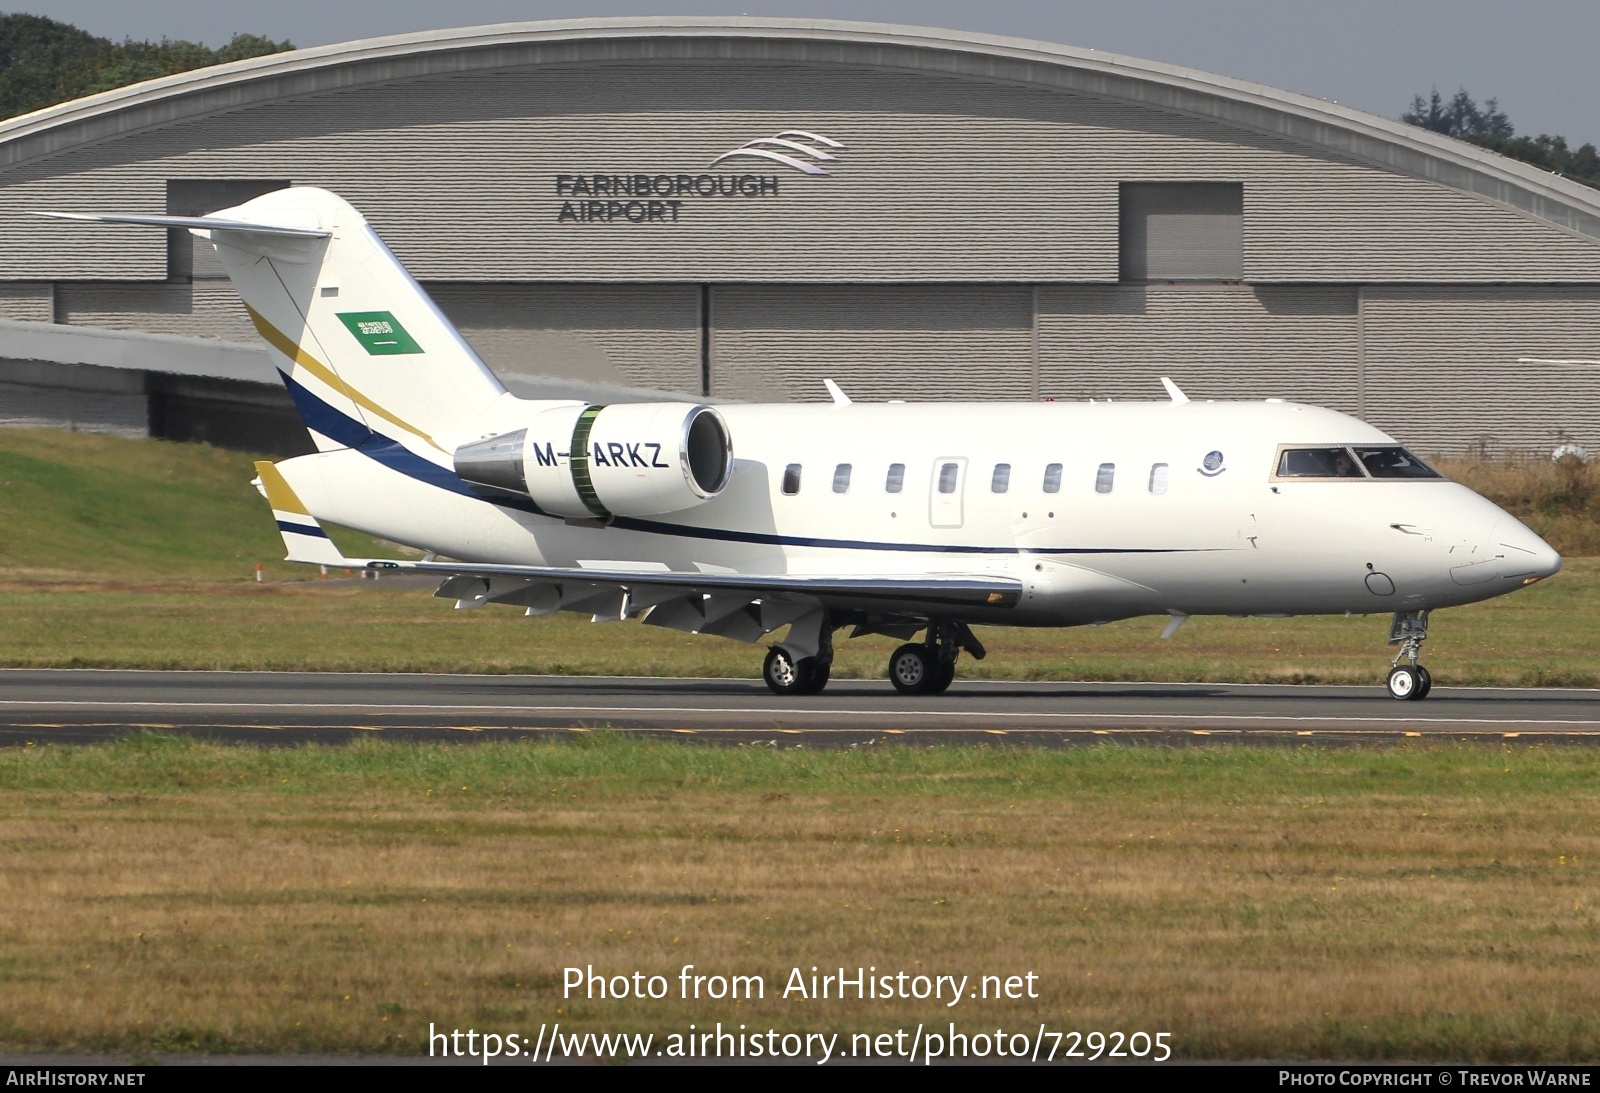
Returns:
<point x="366" y="354"/>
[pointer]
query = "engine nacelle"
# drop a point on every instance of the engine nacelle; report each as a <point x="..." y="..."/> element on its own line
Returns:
<point x="594" y="462"/>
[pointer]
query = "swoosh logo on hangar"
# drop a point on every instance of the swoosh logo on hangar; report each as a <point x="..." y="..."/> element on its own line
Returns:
<point x="788" y="148"/>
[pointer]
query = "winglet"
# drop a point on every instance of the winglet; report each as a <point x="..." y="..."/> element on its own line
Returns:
<point x="303" y="537"/>
<point x="1177" y="396"/>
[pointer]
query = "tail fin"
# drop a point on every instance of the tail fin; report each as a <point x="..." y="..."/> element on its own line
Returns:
<point x="303" y="536"/>
<point x="366" y="354"/>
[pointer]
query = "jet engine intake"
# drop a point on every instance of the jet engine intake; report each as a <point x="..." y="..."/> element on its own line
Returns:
<point x="594" y="462"/>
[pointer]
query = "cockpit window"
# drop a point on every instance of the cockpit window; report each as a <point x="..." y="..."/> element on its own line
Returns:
<point x="1318" y="463"/>
<point x="1394" y="462"/>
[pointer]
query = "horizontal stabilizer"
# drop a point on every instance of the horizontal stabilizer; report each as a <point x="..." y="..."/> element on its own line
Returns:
<point x="196" y="223"/>
<point x="303" y="536"/>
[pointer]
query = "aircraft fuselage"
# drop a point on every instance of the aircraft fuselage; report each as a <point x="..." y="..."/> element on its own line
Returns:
<point x="1102" y="510"/>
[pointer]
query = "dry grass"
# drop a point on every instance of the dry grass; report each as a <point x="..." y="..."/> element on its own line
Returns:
<point x="1546" y="634"/>
<point x="1560" y="501"/>
<point x="1429" y="902"/>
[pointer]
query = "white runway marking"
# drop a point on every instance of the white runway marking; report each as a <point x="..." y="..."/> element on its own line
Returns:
<point x="769" y="712"/>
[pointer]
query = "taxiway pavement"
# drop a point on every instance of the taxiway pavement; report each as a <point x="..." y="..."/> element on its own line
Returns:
<point x="74" y="706"/>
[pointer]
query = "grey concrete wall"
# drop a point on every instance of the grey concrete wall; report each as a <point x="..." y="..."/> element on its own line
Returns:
<point x="1442" y="365"/>
<point x="1215" y="341"/>
<point x="943" y="178"/>
<point x="913" y="342"/>
<point x="83" y="398"/>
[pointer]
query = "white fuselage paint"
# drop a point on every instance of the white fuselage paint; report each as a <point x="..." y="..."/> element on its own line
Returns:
<point x="1231" y="541"/>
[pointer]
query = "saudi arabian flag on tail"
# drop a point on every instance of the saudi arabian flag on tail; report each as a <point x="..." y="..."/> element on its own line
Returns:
<point x="379" y="332"/>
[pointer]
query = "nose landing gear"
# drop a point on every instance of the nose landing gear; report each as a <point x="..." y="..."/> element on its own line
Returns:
<point x="1409" y="681"/>
<point x="802" y="664"/>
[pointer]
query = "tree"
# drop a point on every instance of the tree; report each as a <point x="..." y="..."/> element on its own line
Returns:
<point x="244" y="46"/>
<point x="36" y="54"/>
<point x="1490" y="128"/>
<point x="43" y="62"/>
<point x="1460" y="117"/>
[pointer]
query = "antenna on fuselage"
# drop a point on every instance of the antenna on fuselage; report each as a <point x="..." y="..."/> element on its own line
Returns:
<point x="1178" y="397"/>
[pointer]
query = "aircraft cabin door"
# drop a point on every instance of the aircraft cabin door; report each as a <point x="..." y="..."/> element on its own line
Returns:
<point x="944" y="500"/>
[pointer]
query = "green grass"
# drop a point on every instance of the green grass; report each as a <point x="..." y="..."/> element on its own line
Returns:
<point x="1544" y="635"/>
<point x="1419" y="902"/>
<point x="603" y="766"/>
<point x="124" y="553"/>
<point x="1425" y="902"/>
<point x="108" y="506"/>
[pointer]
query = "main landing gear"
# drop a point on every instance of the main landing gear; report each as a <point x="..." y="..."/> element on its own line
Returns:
<point x="803" y="661"/>
<point x="1409" y="681"/>
<point x="929" y="667"/>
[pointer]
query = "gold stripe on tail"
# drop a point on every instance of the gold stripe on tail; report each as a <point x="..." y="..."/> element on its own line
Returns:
<point x="280" y="495"/>
<point x="287" y="346"/>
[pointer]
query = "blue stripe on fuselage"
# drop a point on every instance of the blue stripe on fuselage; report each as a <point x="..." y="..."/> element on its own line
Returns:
<point x="341" y="427"/>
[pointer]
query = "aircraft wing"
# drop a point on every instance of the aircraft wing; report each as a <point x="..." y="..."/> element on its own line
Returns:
<point x="955" y="590"/>
<point x="736" y="605"/>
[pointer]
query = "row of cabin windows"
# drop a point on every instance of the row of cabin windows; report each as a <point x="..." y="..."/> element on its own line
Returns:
<point x="999" y="482"/>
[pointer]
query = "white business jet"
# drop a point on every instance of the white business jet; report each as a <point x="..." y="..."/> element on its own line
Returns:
<point x="894" y="519"/>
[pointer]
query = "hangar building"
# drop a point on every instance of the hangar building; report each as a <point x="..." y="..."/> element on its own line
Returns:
<point x="741" y="207"/>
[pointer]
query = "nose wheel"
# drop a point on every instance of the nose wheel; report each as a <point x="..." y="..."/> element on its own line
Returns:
<point x="788" y="669"/>
<point x="786" y="674"/>
<point x="1409" y="682"/>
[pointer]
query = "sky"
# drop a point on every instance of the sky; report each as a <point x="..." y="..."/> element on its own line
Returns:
<point x="1535" y="56"/>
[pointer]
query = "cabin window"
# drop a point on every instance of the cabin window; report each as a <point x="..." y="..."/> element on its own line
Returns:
<point x="896" y="479"/>
<point x="1104" y="476"/>
<point x="791" y="479"/>
<point x="949" y="473"/>
<point x="1318" y="463"/>
<point x="1001" y="481"/>
<point x="1052" y="478"/>
<point x="841" y="478"/>
<point x="1158" y="478"/>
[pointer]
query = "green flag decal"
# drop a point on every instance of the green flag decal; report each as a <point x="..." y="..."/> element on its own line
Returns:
<point x="380" y="332"/>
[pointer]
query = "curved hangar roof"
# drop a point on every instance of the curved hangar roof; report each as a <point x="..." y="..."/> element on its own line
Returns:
<point x="1367" y="137"/>
<point x="1319" y="126"/>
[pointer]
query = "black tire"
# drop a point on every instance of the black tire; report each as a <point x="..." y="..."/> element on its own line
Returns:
<point x="942" y="681"/>
<point x="1404" y="683"/>
<point x="1424" y="683"/>
<point x="784" y="675"/>
<point x="819" y="674"/>
<point x="913" y="669"/>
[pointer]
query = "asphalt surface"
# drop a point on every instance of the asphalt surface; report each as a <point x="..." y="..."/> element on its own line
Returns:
<point x="80" y="706"/>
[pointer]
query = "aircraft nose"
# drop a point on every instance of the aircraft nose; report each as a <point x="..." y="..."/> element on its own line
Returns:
<point x="1522" y="553"/>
